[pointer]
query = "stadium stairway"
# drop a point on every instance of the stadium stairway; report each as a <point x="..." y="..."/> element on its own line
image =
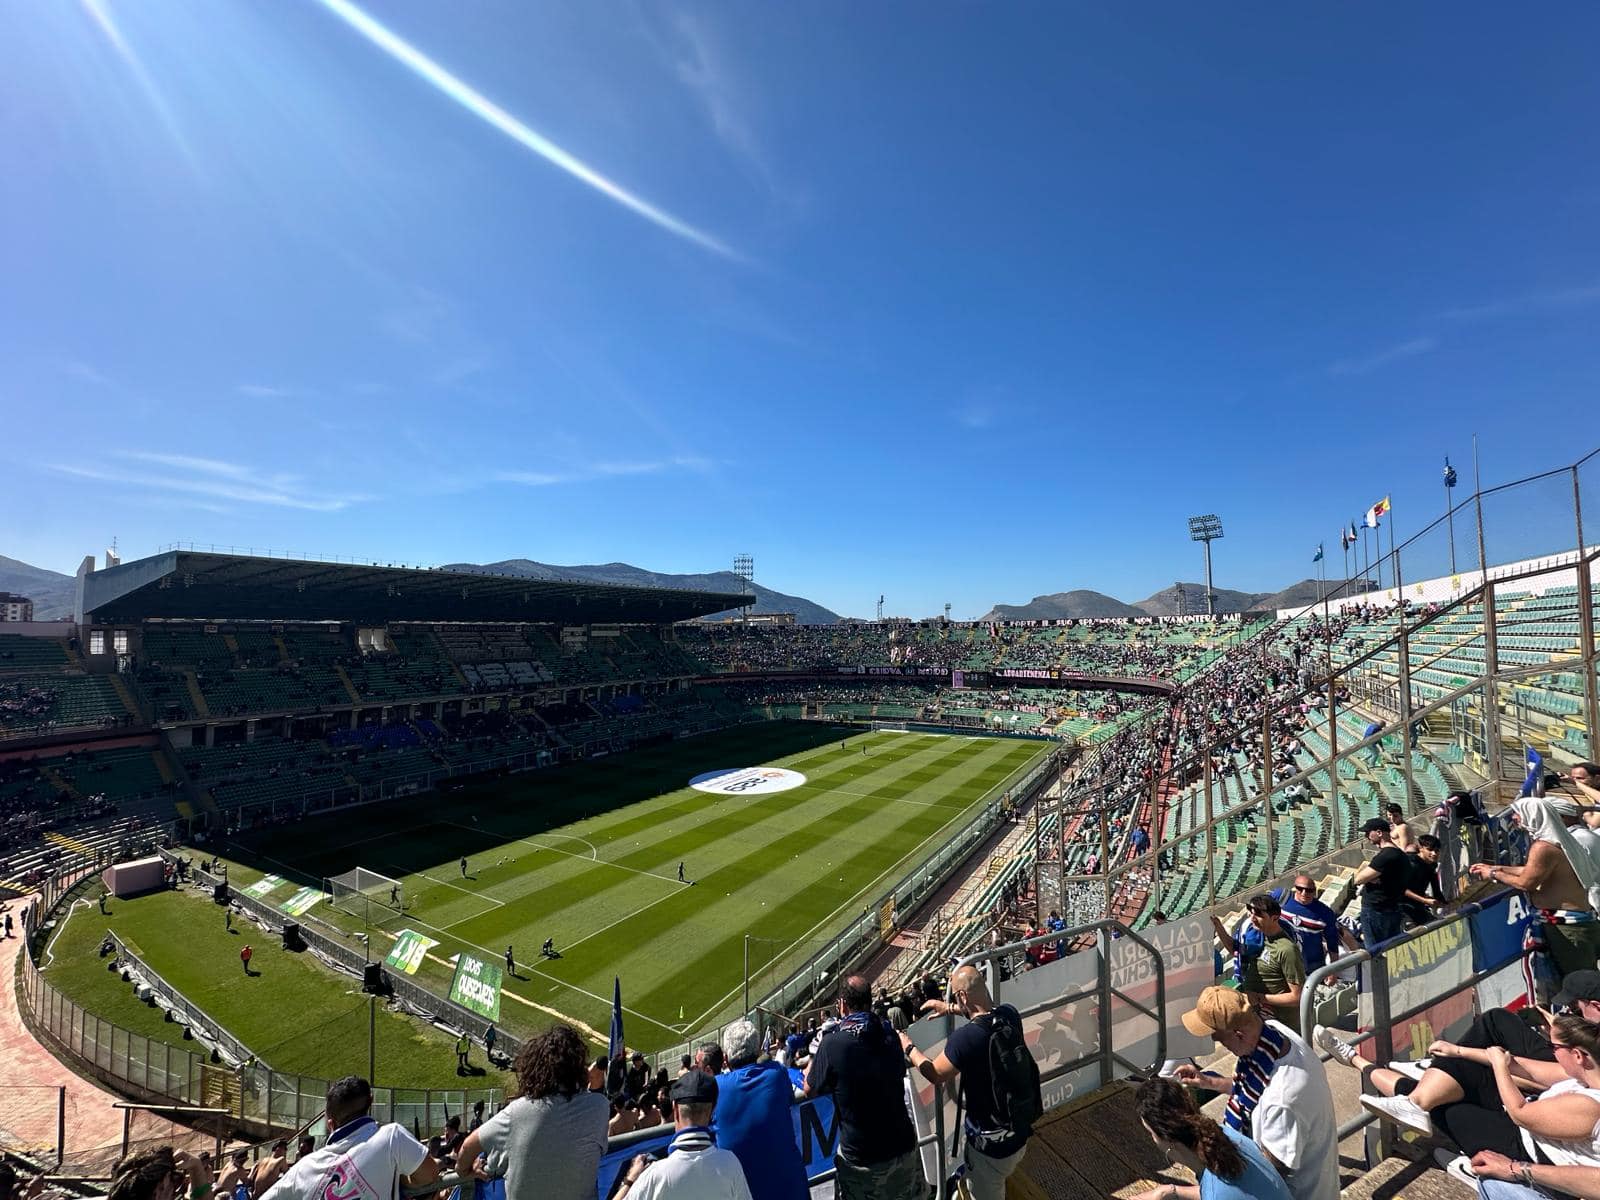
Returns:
<point x="347" y="684"/>
<point x="196" y="696"/>
<point x="126" y="696"/>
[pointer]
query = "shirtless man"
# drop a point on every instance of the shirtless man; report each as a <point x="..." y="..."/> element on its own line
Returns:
<point x="268" y="1170"/>
<point x="1551" y="884"/>
<point x="232" y="1175"/>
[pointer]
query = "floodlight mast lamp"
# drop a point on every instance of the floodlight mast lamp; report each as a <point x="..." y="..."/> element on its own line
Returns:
<point x="745" y="568"/>
<point x="1207" y="529"/>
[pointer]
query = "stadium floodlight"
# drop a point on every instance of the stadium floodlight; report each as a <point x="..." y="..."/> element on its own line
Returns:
<point x="744" y="566"/>
<point x="1207" y="529"/>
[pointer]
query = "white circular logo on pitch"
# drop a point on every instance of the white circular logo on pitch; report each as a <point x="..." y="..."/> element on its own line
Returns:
<point x="747" y="781"/>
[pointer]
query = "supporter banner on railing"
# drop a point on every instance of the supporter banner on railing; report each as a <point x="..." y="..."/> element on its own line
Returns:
<point x="408" y="951"/>
<point x="816" y="1132"/>
<point x="1187" y="968"/>
<point x="1497" y="936"/>
<point x="1434" y="964"/>
<point x="262" y="886"/>
<point x="476" y="987"/>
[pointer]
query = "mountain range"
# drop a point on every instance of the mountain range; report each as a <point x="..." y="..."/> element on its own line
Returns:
<point x="52" y="592"/>
<point x="1064" y="605"/>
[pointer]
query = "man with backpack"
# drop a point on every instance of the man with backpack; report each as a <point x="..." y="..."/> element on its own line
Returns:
<point x="1000" y="1091"/>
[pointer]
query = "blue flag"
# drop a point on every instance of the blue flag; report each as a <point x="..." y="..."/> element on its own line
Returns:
<point x="1535" y="768"/>
<point x="616" y="1047"/>
<point x="1317" y="557"/>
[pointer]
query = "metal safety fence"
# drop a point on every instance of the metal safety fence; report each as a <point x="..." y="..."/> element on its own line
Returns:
<point x="260" y="1101"/>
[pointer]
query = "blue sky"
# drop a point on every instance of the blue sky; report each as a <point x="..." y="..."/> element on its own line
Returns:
<point x="951" y="302"/>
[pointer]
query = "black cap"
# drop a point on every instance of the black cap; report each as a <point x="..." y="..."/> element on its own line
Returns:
<point x="1376" y="825"/>
<point x="694" y="1088"/>
<point x="638" y="1056"/>
<point x="1578" y="985"/>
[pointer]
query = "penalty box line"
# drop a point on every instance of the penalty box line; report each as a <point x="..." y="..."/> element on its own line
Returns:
<point x="593" y="855"/>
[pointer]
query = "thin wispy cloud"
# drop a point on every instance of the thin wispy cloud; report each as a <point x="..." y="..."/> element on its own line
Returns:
<point x="698" y="61"/>
<point x="486" y="110"/>
<point x="263" y="391"/>
<point x="210" y="478"/>
<point x="602" y="470"/>
<point x="152" y="94"/>
<point x="1548" y="300"/>
<point x="1394" y="354"/>
<point x="975" y="416"/>
<point x="87" y="374"/>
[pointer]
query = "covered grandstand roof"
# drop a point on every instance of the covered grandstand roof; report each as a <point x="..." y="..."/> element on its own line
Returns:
<point x="194" y="586"/>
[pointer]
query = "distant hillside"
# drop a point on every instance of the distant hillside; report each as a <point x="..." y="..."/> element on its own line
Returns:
<point x="1309" y="591"/>
<point x="53" y="594"/>
<point x="1165" y="602"/>
<point x="767" y="600"/>
<point x="1060" y="606"/>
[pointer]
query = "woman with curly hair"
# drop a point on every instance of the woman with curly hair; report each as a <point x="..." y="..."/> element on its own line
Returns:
<point x="1228" y="1165"/>
<point x="548" y="1141"/>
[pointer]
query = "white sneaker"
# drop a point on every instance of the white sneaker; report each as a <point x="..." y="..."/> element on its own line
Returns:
<point x="1458" y="1165"/>
<point x="1400" y="1109"/>
<point x="1411" y="1070"/>
<point x="1336" y="1046"/>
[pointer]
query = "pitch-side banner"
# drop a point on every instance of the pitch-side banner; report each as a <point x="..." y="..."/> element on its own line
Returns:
<point x="300" y="903"/>
<point x="263" y="885"/>
<point x="408" y="951"/>
<point x="476" y="987"/>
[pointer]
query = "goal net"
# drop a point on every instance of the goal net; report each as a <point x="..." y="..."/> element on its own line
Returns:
<point x="889" y="726"/>
<point x="366" y="894"/>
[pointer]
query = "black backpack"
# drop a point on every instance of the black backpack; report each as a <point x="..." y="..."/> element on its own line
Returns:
<point x="1013" y="1075"/>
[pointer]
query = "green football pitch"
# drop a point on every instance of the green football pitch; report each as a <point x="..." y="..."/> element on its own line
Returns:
<point x="588" y="855"/>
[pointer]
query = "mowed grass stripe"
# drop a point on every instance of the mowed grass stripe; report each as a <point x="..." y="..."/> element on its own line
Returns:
<point x="825" y="888"/>
<point x="716" y="843"/>
<point x="695" y="807"/>
<point x="673" y="946"/>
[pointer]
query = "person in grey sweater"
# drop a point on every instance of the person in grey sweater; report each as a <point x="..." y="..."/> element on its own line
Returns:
<point x="548" y="1141"/>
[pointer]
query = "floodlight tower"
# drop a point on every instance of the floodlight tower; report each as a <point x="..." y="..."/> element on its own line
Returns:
<point x="1207" y="529"/>
<point x="745" y="568"/>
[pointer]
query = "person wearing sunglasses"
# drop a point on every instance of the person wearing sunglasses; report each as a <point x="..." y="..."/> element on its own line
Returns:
<point x="1314" y="925"/>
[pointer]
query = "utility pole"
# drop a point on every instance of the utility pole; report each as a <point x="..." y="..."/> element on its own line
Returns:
<point x="1207" y="529"/>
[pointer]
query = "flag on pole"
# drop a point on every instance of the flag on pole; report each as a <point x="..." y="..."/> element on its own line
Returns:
<point x="1449" y="474"/>
<point x="1317" y="557"/>
<point x="616" y="1045"/>
<point x="1354" y="537"/>
<point x="1376" y="511"/>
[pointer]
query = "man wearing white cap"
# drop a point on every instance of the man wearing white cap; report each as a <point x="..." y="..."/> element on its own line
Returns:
<point x="1278" y="1094"/>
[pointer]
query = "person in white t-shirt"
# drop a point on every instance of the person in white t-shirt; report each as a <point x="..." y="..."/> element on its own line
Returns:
<point x="1278" y="1094"/>
<point x="361" y="1160"/>
<point x="695" y="1168"/>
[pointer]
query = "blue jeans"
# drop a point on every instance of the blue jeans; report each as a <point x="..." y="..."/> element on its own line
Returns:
<point x="1379" y="926"/>
<point x="1500" y="1189"/>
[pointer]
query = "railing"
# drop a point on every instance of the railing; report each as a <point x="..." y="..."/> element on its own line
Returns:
<point x="1497" y="656"/>
<point x="1423" y="983"/>
<point x="331" y="945"/>
<point x="259" y="1099"/>
<point x="1120" y="986"/>
<point x="205" y="1028"/>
